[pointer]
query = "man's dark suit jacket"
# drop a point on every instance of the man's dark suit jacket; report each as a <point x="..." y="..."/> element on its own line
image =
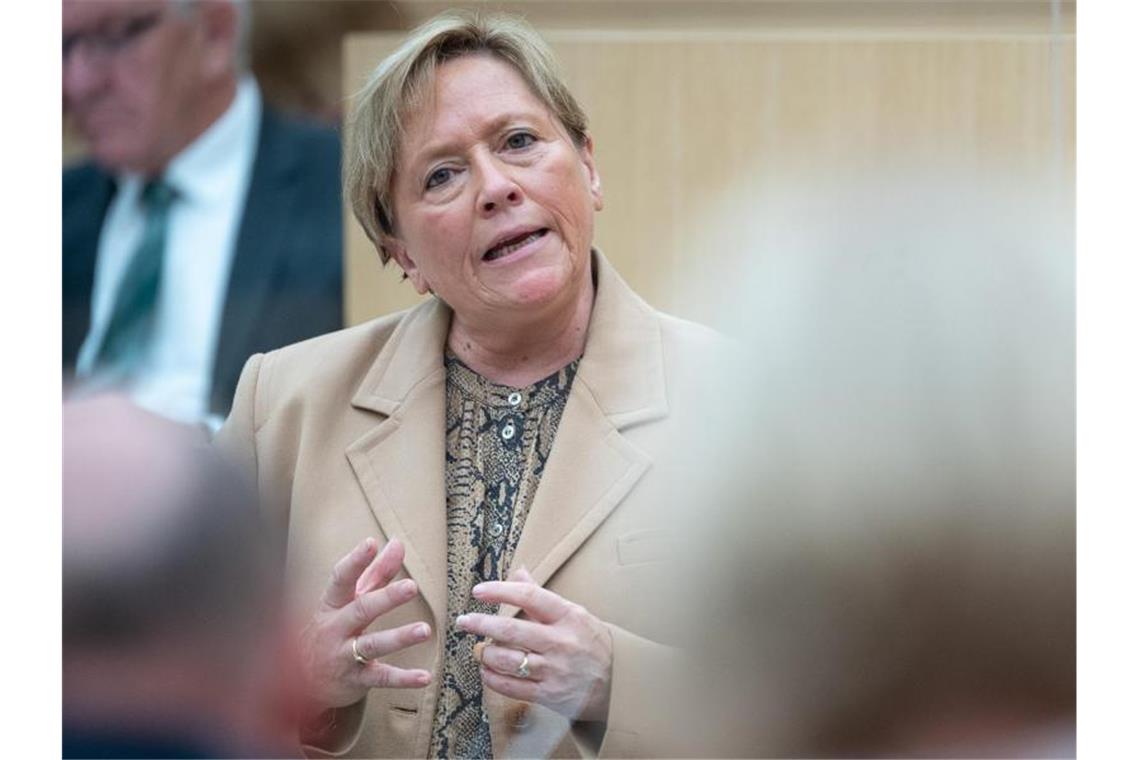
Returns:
<point x="286" y="278"/>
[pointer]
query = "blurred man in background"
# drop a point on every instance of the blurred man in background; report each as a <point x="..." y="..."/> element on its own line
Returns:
<point x="206" y="227"/>
<point x="173" y="645"/>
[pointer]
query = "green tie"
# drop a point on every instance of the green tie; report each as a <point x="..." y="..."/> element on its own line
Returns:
<point x="132" y="321"/>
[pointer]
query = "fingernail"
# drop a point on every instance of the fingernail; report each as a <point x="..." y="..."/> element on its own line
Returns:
<point x="462" y="621"/>
<point x="480" y="588"/>
<point x="422" y="630"/>
<point x="407" y="586"/>
<point x="425" y="678"/>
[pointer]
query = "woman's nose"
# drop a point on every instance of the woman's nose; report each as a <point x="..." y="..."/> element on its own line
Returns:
<point x="499" y="189"/>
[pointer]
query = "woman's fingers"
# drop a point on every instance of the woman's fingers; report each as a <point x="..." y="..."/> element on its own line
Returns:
<point x="568" y="652"/>
<point x="381" y="675"/>
<point x="362" y="570"/>
<point x="511" y="632"/>
<point x="359" y="614"/>
<point x="359" y="591"/>
<point x="341" y="588"/>
<point x="381" y="643"/>
<point x="507" y="661"/>
<point x="516" y="688"/>
<point x="538" y="603"/>
<point x="383" y="569"/>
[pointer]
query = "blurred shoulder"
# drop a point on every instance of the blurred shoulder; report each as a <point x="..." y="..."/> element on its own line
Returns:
<point x="684" y="332"/>
<point x="81" y="173"/>
<point x="687" y="342"/>
<point x="333" y="360"/>
<point x="84" y="179"/>
<point x="704" y="371"/>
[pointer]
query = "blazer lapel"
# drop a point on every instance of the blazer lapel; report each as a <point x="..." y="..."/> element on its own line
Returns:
<point x="592" y="467"/>
<point x="400" y="463"/>
<point x="590" y="471"/>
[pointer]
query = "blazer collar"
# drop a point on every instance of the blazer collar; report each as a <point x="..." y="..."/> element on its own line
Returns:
<point x="413" y="353"/>
<point x="623" y="364"/>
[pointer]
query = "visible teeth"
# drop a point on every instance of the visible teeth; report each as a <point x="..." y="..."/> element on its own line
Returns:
<point x="505" y="250"/>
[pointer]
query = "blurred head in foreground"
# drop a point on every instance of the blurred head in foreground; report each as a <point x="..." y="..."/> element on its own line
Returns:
<point x="170" y="642"/>
<point x="900" y="579"/>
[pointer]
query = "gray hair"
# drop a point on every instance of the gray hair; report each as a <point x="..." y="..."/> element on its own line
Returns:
<point x="399" y="83"/>
<point x="241" y="39"/>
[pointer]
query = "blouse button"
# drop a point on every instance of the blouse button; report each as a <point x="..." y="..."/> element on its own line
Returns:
<point x="508" y="431"/>
<point x="514" y="399"/>
<point x="496" y="530"/>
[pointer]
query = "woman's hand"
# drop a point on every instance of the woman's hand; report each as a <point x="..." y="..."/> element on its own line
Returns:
<point x="357" y="594"/>
<point x="568" y="652"/>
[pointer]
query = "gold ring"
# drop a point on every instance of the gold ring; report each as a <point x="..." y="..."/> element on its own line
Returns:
<point x="523" y="671"/>
<point x="356" y="655"/>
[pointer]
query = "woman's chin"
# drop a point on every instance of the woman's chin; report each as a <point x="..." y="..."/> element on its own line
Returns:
<point x="536" y="287"/>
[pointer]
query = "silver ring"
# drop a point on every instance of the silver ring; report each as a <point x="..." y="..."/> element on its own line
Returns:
<point x="523" y="671"/>
<point x="356" y="655"/>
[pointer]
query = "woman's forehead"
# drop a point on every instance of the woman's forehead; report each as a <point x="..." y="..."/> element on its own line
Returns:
<point x="468" y="98"/>
<point x="470" y="85"/>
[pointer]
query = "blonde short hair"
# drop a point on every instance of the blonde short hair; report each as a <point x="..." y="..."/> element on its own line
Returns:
<point x="400" y="83"/>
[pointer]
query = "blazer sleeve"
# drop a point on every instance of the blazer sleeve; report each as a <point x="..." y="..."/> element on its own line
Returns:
<point x="237" y="438"/>
<point x="645" y="717"/>
<point x="238" y="442"/>
<point x="333" y="733"/>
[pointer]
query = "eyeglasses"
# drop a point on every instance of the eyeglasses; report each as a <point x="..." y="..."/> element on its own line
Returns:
<point x="103" y="45"/>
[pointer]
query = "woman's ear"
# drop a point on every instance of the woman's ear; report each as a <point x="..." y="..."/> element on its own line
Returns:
<point x="595" y="179"/>
<point x="398" y="251"/>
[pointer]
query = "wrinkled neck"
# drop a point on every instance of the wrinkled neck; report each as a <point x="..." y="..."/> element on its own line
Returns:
<point x="519" y="352"/>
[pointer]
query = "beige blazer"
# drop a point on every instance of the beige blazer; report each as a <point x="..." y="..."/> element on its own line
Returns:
<point x="345" y="434"/>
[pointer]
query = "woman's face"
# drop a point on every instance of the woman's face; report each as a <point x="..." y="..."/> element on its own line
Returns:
<point x="494" y="203"/>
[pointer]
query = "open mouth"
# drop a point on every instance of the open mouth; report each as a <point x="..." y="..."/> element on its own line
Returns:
<point x="508" y="247"/>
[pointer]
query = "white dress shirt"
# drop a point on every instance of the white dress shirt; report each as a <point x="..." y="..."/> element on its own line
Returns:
<point x="211" y="179"/>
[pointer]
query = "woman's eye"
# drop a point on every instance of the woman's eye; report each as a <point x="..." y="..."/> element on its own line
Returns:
<point x="438" y="177"/>
<point x="520" y="140"/>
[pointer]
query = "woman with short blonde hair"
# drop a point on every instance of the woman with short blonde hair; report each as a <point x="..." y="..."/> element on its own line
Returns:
<point x="513" y="443"/>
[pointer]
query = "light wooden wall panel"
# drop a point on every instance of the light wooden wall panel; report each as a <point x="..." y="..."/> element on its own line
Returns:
<point x="699" y="135"/>
<point x="808" y="17"/>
